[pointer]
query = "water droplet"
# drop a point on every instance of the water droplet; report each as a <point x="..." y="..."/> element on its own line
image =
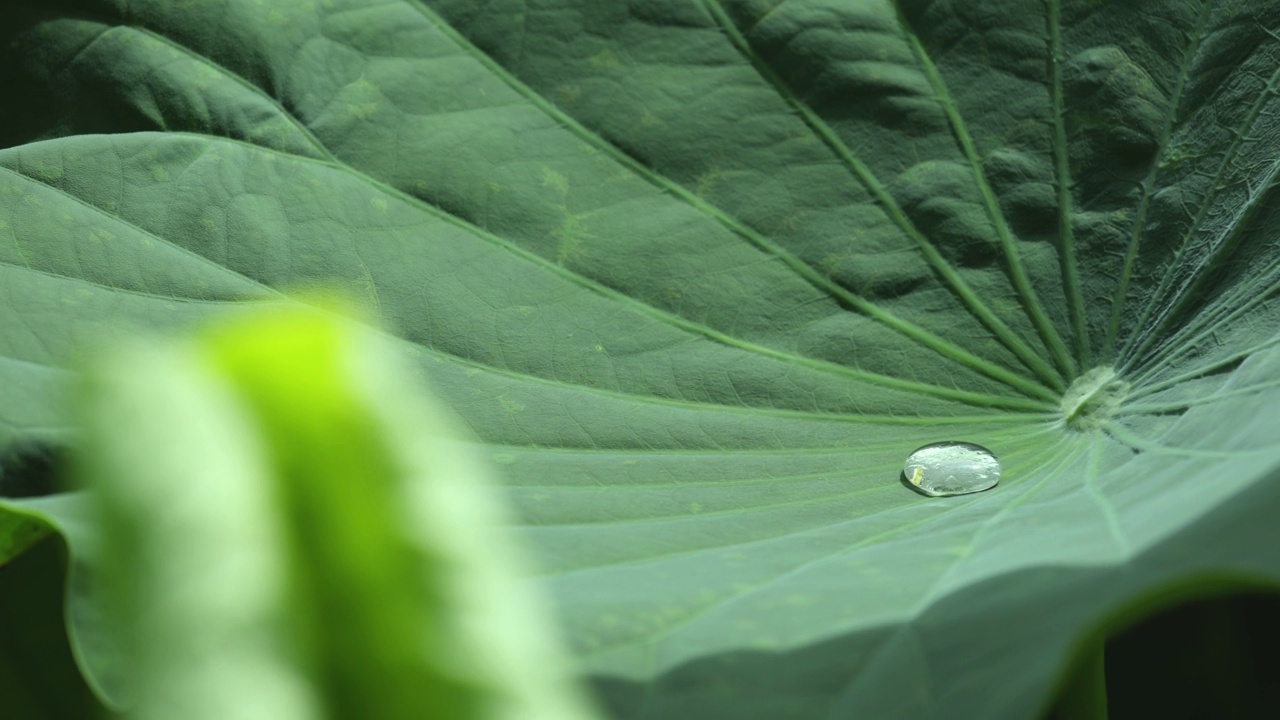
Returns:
<point x="951" y="468"/>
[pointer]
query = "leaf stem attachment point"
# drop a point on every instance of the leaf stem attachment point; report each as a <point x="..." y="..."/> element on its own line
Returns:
<point x="1093" y="399"/>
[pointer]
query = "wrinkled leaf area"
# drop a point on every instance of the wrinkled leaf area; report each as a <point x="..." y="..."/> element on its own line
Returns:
<point x="702" y="274"/>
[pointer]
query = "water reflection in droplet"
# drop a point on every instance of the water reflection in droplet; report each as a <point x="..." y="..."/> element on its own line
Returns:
<point x="951" y="468"/>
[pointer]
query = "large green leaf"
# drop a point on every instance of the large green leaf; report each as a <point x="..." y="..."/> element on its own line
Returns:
<point x="703" y="274"/>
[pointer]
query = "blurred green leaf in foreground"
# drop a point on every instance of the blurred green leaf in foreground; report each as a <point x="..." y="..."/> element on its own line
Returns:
<point x="293" y="531"/>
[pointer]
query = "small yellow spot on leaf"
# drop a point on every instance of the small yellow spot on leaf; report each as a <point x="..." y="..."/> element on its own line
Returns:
<point x="603" y="60"/>
<point x="556" y="181"/>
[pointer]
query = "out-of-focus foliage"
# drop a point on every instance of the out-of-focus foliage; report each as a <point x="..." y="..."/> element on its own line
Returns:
<point x="293" y="531"/>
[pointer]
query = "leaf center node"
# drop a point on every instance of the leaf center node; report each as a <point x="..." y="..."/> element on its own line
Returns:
<point x="1093" y="399"/>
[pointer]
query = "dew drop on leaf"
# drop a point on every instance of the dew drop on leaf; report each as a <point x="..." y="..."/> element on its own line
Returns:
<point x="951" y="468"/>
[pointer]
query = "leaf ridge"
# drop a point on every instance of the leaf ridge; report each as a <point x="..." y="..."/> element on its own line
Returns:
<point x="1062" y="182"/>
<point x="1200" y="275"/>
<point x="927" y="598"/>
<point x="968" y="397"/>
<point x="128" y="291"/>
<point x="743" y="510"/>
<point x="240" y="80"/>
<point x="1183" y="405"/>
<point x="653" y="638"/>
<point x="965" y="396"/>
<point x="161" y="240"/>
<point x="656" y="637"/>
<point x="1127" y="437"/>
<point x="1145" y="330"/>
<point x="1148" y="184"/>
<point x="1114" y="526"/>
<point x="1017" y="272"/>
<point x="828" y="474"/>
<point x="890" y="207"/>
<point x="927" y="338"/>
<point x="1204" y="370"/>
<point x="1210" y="322"/>
<point x="1021" y="422"/>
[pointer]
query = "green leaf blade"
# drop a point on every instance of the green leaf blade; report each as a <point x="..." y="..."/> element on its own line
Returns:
<point x="702" y="274"/>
